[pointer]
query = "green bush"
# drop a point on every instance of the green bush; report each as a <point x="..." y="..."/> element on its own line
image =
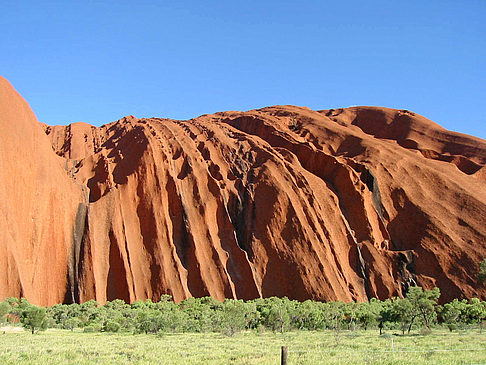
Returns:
<point x="4" y="310"/>
<point x="111" y="326"/>
<point x="419" y="309"/>
<point x="34" y="318"/>
<point x="482" y="271"/>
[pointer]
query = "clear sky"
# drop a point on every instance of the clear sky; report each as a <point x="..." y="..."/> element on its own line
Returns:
<point x="97" y="61"/>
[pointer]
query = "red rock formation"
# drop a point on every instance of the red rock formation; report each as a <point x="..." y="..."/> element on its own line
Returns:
<point x="39" y="205"/>
<point x="341" y="204"/>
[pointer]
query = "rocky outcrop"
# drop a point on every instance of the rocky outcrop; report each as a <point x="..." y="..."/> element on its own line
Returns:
<point x="39" y="205"/>
<point x="343" y="204"/>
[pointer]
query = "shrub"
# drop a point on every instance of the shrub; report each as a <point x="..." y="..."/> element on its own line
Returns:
<point x="482" y="271"/>
<point x="111" y="326"/>
<point x="34" y="318"/>
<point x="4" y="309"/>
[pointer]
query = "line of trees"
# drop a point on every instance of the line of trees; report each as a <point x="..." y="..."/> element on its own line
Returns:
<point x="419" y="309"/>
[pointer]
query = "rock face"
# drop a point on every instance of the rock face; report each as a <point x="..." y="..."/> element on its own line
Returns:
<point x="343" y="204"/>
<point x="39" y="205"/>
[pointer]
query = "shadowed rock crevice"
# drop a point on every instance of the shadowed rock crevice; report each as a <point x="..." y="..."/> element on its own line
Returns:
<point x="178" y="219"/>
<point x="148" y="230"/>
<point x="79" y="230"/>
<point x="241" y="209"/>
<point x="117" y="286"/>
<point x="128" y="153"/>
<point x="410" y="224"/>
<point x="82" y="257"/>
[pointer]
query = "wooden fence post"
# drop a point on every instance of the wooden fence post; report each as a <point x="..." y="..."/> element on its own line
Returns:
<point x="283" y="356"/>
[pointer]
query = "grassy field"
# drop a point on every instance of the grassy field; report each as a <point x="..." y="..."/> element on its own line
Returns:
<point x="359" y="347"/>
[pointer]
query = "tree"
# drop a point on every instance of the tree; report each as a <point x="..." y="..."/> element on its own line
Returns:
<point x="402" y="311"/>
<point x="423" y="303"/>
<point x="369" y="313"/>
<point x="233" y="316"/>
<point x="111" y="326"/>
<point x="4" y="310"/>
<point x="71" y="323"/>
<point x="145" y="321"/>
<point x="477" y="311"/>
<point x="334" y="315"/>
<point x="308" y="315"/>
<point x="200" y="314"/>
<point x="454" y="313"/>
<point x="482" y="272"/>
<point x="350" y="311"/>
<point x="385" y="314"/>
<point x="274" y="312"/>
<point x="34" y="318"/>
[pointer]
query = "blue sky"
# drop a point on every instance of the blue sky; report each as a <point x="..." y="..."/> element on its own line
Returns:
<point x="97" y="61"/>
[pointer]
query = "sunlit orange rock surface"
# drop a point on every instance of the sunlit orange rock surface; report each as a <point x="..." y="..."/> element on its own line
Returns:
<point x="343" y="204"/>
<point x="39" y="205"/>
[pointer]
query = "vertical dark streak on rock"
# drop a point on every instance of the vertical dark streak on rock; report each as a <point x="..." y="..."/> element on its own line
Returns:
<point x="116" y="286"/>
<point x="148" y="230"/>
<point x="80" y="258"/>
<point x="371" y="183"/>
<point x="178" y="219"/>
<point x="72" y="295"/>
<point x="195" y="282"/>
<point x="406" y="269"/>
<point x="240" y="207"/>
<point x="362" y="272"/>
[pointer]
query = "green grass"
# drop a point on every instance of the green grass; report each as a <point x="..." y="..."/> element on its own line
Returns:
<point x="359" y="347"/>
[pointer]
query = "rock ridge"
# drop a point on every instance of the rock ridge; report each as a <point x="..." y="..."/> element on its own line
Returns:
<point x="340" y="204"/>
